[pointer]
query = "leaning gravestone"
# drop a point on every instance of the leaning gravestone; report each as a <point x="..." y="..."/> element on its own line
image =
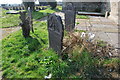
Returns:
<point x="26" y="18"/>
<point x="69" y="17"/>
<point x="56" y="31"/>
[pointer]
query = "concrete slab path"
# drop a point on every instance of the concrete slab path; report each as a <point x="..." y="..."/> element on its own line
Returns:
<point x="103" y="28"/>
<point x="6" y="31"/>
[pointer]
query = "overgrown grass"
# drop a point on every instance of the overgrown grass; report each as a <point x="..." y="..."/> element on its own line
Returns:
<point x="82" y="17"/>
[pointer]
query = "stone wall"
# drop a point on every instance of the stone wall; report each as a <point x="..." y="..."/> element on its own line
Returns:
<point x="91" y="6"/>
<point x="115" y="12"/>
<point x="105" y="6"/>
<point x="119" y="13"/>
<point x="88" y="6"/>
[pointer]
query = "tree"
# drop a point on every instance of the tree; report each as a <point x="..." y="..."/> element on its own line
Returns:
<point x="43" y="3"/>
<point x="53" y="4"/>
<point x="30" y="4"/>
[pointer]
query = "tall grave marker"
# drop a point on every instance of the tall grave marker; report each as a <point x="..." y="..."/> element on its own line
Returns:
<point x="26" y="18"/>
<point x="69" y="17"/>
<point x="56" y="32"/>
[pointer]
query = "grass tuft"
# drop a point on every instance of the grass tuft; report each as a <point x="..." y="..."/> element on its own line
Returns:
<point x="82" y="17"/>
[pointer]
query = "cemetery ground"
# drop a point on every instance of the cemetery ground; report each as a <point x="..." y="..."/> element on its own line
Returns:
<point x="31" y="58"/>
<point x="10" y="22"/>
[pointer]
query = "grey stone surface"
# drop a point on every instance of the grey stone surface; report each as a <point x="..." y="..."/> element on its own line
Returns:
<point x="104" y="29"/>
<point x="0" y="75"/>
<point x="113" y="39"/>
<point x="115" y="11"/>
<point x="69" y="17"/>
<point x="56" y="33"/>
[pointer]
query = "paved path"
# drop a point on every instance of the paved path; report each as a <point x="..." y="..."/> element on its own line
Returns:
<point x="104" y="29"/>
<point x="6" y="31"/>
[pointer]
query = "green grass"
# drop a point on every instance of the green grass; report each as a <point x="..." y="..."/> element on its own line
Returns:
<point x="48" y="10"/>
<point x="11" y="20"/>
<point x="42" y="13"/>
<point x="82" y="17"/>
<point x="43" y="6"/>
<point x="31" y="58"/>
<point x="80" y="31"/>
<point x="39" y="15"/>
<point x="28" y="58"/>
<point x="77" y="23"/>
<point x="59" y="8"/>
<point x="101" y="43"/>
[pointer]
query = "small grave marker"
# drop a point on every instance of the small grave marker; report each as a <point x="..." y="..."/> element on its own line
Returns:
<point x="69" y="17"/>
<point x="56" y="31"/>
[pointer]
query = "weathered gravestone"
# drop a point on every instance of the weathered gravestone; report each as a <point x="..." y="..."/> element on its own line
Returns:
<point x="69" y="17"/>
<point x="25" y="24"/>
<point x="56" y="32"/>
